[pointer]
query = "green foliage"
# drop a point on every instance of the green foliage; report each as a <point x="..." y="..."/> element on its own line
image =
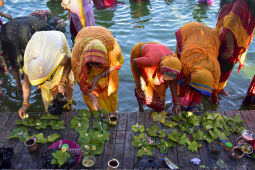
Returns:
<point x="48" y="116"/>
<point x="170" y="124"/>
<point x="84" y="113"/>
<point x="41" y="124"/>
<point x="146" y="150"/>
<point x="138" y="128"/>
<point x="164" y="145"/>
<point x="79" y="124"/>
<point x="155" y="131"/>
<point x="60" y="157"/>
<point x="161" y="116"/>
<point x="57" y="124"/>
<point x="91" y="139"/>
<point x="210" y="127"/>
<point x="199" y="135"/>
<point x="41" y="139"/>
<point x="30" y="121"/>
<point x="20" y="133"/>
<point x="193" y="146"/>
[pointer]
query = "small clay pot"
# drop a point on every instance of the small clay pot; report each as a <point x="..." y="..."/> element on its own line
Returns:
<point x="31" y="144"/>
<point x="88" y="161"/>
<point x="237" y="152"/>
<point x="113" y="164"/>
<point x="113" y="120"/>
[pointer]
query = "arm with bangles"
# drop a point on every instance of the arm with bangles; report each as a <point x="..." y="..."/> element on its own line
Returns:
<point x="173" y="88"/>
<point x="66" y="62"/>
<point x="26" y="88"/>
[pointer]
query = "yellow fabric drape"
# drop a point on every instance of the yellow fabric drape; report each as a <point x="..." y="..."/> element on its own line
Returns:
<point x="82" y="14"/>
<point x="200" y="50"/>
<point x="108" y="98"/>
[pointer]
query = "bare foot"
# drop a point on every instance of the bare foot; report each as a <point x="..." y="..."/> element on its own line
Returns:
<point x="225" y="93"/>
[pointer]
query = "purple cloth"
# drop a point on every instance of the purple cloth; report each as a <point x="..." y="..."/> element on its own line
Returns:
<point x="206" y="1"/>
<point x="75" y="14"/>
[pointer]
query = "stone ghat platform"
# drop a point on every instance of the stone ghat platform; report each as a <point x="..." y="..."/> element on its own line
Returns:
<point x="119" y="146"/>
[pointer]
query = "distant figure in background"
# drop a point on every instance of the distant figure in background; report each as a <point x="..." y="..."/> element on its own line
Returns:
<point x="96" y="60"/>
<point x="154" y="69"/>
<point x="235" y="25"/>
<point x="102" y="4"/>
<point x="80" y="14"/>
<point x="50" y="18"/>
<point x="250" y="97"/>
<point x="209" y="2"/>
<point x="198" y="48"/>
<point x="47" y="62"/>
<point x="139" y="9"/>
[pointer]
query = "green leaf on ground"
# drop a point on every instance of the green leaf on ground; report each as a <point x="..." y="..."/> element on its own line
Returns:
<point x="155" y="131"/>
<point x="41" y="124"/>
<point x="57" y="124"/>
<point x="30" y="121"/>
<point x="84" y="113"/>
<point x="164" y="145"/>
<point x="40" y="138"/>
<point x="20" y="133"/>
<point x="174" y="136"/>
<point x="194" y="120"/>
<point x="48" y="116"/>
<point x="144" y="151"/>
<point x="193" y="146"/>
<point x="199" y="135"/>
<point x="53" y="137"/>
<point x="61" y="157"/>
<point x="161" y="116"/>
<point x="170" y="124"/>
<point x="138" y="128"/>
<point x="80" y="124"/>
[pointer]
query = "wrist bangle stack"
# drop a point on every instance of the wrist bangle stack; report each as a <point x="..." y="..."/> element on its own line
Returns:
<point x="25" y="104"/>
<point x="61" y="83"/>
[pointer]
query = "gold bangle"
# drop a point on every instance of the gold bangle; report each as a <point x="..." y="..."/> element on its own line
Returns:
<point x="25" y="104"/>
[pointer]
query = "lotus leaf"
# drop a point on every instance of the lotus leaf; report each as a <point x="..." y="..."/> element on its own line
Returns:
<point x="80" y="124"/>
<point x="193" y="146"/>
<point x="53" y="137"/>
<point x="209" y="124"/>
<point x="57" y="124"/>
<point x="208" y="138"/>
<point x="194" y="120"/>
<point x="155" y="131"/>
<point x="146" y="150"/>
<point x="84" y="113"/>
<point x="174" y="136"/>
<point x="61" y="157"/>
<point x="41" y="124"/>
<point x="170" y="124"/>
<point x="40" y="138"/>
<point x="140" y="140"/>
<point x="183" y="139"/>
<point x="48" y="116"/>
<point x="138" y="128"/>
<point x="164" y="145"/>
<point x="187" y="114"/>
<point x="20" y="133"/>
<point x="178" y="118"/>
<point x="30" y="121"/>
<point x="161" y="117"/>
<point x="199" y="135"/>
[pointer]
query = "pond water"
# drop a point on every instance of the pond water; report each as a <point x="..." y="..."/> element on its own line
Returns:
<point x="131" y="23"/>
